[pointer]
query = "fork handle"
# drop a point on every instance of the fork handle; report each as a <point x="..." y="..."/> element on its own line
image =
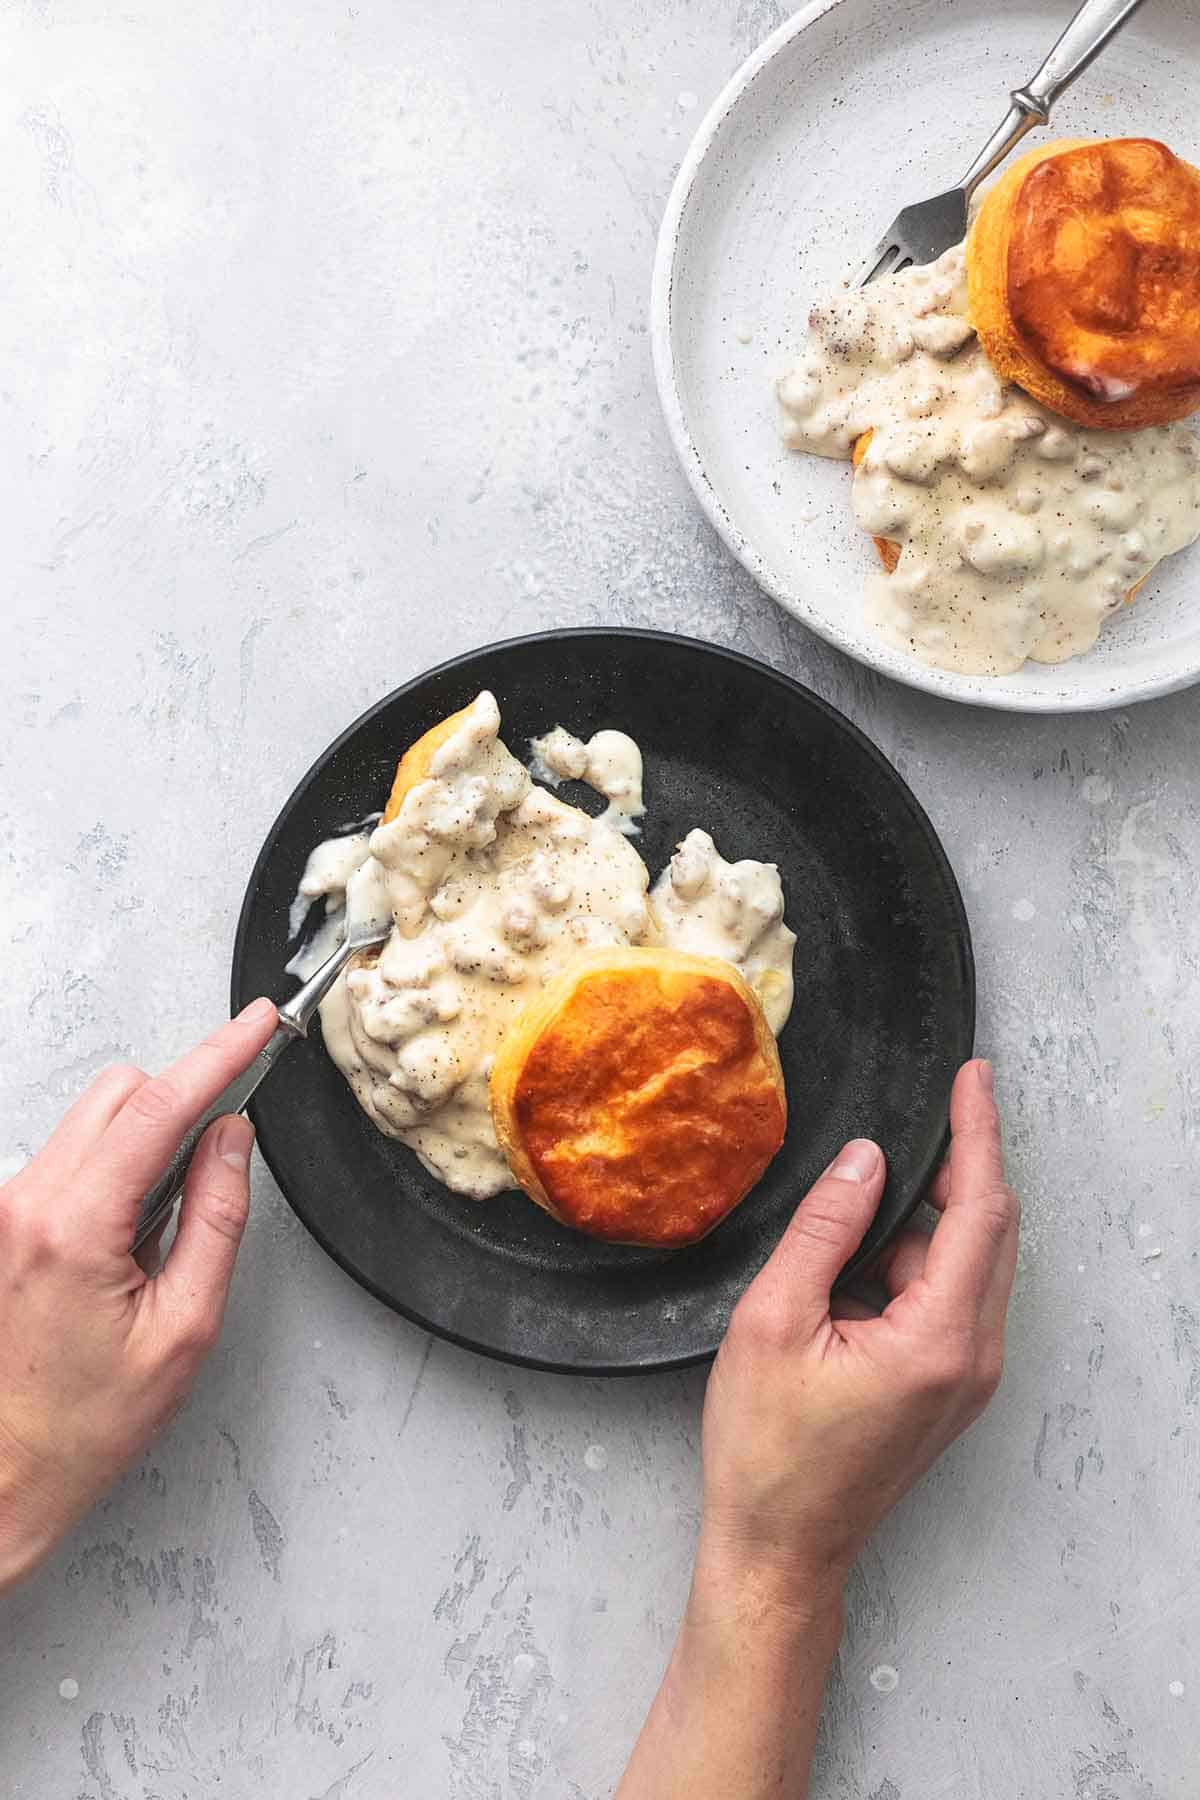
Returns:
<point x="1080" y="44"/>
<point x="1082" y="41"/>
<point x="294" y="1020"/>
<point x="159" y="1200"/>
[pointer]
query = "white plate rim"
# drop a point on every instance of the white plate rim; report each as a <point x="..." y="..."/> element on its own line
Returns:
<point x="945" y="685"/>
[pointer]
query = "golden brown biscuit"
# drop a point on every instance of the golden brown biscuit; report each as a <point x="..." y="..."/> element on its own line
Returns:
<point x="889" y="550"/>
<point x="414" y="765"/>
<point x="640" y="1096"/>
<point x="1083" y="271"/>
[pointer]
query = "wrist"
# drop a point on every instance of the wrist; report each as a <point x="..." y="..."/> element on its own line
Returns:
<point x="738" y="1707"/>
<point x="744" y="1607"/>
<point x="27" y="1528"/>
<point x="776" y="1585"/>
<point x="752" y="1640"/>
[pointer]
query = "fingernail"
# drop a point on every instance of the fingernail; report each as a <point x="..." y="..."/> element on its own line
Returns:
<point x="857" y="1162"/>
<point x="235" y="1140"/>
<point x="257" y="1013"/>
<point x="987" y="1076"/>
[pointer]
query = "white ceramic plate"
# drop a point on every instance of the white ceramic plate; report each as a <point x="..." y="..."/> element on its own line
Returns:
<point x="845" y="114"/>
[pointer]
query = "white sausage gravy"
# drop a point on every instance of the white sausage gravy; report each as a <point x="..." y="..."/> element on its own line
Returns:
<point x="1020" y="532"/>
<point x="493" y="885"/>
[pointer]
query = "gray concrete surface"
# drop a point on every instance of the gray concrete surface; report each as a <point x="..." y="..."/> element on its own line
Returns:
<point x="325" y="357"/>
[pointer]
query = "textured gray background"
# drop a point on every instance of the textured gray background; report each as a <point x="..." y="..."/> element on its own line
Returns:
<point x="325" y="357"/>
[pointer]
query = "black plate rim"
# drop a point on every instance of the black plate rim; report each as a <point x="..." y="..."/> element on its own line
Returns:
<point x="599" y="634"/>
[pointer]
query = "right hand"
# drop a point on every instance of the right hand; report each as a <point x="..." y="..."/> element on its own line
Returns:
<point x="96" y="1351"/>
<point x="815" y="1424"/>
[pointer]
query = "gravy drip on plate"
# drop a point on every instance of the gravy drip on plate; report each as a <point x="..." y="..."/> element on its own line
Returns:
<point x="1020" y="532"/>
<point x="493" y="884"/>
<point x="711" y="907"/>
<point x="610" y="762"/>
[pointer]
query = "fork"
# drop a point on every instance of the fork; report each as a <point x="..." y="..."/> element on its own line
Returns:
<point x="920" y="233"/>
<point x="294" y="1020"/>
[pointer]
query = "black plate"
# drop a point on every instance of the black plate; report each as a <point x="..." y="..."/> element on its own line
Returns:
<point x="884" y="1014"/>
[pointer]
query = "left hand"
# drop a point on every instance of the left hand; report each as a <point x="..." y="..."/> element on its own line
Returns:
<point x="97" y="1351"/>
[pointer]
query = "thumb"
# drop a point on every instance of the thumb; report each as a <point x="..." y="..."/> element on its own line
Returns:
<point x="212" y="1218"/>
<point x="826" y="1229"/>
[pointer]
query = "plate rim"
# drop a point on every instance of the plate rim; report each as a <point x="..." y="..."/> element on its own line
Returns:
<point x="791" y="687"/>
<point x="943" y="684"/>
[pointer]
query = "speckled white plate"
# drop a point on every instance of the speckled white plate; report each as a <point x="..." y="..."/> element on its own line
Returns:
<point x="846" y="113"/>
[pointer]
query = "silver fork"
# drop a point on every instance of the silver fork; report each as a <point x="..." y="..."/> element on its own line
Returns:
<point x="920" y="233"/>
<point x="294" y="1021"/>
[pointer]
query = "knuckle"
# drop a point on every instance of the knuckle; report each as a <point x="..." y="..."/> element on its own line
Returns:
<point x="203" y="1333"/>
<point x="977" y="1141"/>
<point x="999" y="1212"/>
<point x="120" y="1078"/>
<point x="989" y="1371"/>
<point x="196" y="1332"/>
<point x="224" y="1210"/>
<point x="219" y="1049"/>
<point x="760" y="1322"/>
<point x="46" y="1235"/>
<point x="156" y="1102"/>
<point x="818" y="1222"/>
<point x="945" y="1372"/>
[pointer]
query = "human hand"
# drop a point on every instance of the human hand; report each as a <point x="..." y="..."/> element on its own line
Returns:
<point x="819" y="1417"/>
<point x="97" y="1351"/>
